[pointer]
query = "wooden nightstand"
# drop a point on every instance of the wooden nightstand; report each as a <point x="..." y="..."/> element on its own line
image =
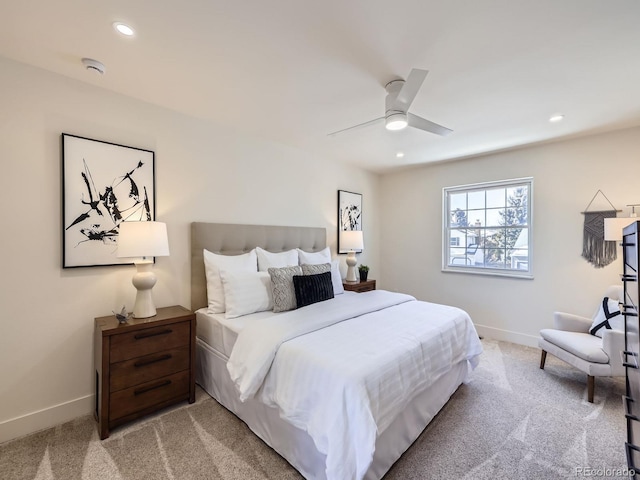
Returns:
<point x="143" y="365"/>
<point x="360" y="287"/>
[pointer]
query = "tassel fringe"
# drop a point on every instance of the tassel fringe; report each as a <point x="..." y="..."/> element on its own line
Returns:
<point x="595" y="249"/>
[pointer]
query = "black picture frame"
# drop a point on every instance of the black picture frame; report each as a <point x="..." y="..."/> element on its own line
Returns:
<point x="349" y="214"/>
<point x="103" y="184"/>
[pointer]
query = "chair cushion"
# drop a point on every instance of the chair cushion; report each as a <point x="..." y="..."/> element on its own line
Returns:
<point x="582" y="345"/>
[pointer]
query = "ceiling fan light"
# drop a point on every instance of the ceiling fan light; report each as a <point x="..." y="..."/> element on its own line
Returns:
<point x="396" y="121"/>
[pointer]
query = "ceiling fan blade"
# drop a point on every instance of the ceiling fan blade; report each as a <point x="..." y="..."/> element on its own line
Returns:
<point x="370" y="122"/>
<point x="410" y="89"/>
<point x="424" y="124"/>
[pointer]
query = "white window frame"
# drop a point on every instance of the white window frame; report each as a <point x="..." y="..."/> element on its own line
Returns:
<point x="482" y="269"/>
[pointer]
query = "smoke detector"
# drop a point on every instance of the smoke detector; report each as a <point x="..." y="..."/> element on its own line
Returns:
<point x="94" y="65"/>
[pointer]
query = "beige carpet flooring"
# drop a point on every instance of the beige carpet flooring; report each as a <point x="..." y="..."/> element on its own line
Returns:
<point x="512" y="421"/>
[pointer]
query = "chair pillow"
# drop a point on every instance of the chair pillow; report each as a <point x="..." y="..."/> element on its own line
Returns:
<point x="608" y="317"/>
<point x="312" y="288"/>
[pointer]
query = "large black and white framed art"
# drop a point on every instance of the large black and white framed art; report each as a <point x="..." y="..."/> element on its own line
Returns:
<point x="349" y="214"/>
<point x="103" y="185"/>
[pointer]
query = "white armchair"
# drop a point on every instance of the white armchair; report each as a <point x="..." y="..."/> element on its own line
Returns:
<point x="571" y="341"/>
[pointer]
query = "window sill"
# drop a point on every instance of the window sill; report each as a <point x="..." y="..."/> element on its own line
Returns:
<point x="489" y="272"/>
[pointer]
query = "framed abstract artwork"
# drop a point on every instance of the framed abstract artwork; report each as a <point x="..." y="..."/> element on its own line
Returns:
<point x="349" y="214"/>
<point x="103" y="185"/>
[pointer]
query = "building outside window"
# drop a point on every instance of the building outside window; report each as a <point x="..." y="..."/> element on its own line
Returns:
<point x="487" y="228"/>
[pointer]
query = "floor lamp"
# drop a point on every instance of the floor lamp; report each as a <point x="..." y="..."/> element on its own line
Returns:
<point x="143" y="241"/>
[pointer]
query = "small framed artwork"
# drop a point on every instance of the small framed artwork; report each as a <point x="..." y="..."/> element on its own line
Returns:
<point x="349" y="214"/>
<point x="103" y="185"/>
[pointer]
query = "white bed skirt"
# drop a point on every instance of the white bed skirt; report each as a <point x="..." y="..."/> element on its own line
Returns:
<point x="295" y="445"/>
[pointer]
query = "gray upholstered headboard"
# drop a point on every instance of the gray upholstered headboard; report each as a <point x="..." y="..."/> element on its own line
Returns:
<point x="232" y="239"/>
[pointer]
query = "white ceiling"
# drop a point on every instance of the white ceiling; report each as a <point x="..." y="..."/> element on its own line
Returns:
<point x="293" y="71"/>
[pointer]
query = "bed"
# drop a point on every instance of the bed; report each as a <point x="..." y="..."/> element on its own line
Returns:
<point x="339" y="388"/>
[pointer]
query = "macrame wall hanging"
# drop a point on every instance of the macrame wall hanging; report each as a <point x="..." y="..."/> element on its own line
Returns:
<point x="595" y="249"/>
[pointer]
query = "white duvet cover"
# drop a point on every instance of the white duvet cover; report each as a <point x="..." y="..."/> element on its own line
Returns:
<point x="343" y="369"/>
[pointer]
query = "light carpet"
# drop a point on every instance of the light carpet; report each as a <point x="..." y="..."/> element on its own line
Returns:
<point x="512" y="420"/>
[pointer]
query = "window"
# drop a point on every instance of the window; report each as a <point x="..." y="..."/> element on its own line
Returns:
<point x="488" y="228"/>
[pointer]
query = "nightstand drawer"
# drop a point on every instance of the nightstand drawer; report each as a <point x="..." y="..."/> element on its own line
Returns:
<point x="143" y="369"/>
<point x="134" y="399"/>
<point x="360" y="287"/>
<point x="150" y="340"/>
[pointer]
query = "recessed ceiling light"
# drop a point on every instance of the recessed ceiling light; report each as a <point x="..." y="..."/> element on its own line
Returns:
<point x="556" y="118"/>
<point x="123" y="29"/>
<point x="399" y="155"/>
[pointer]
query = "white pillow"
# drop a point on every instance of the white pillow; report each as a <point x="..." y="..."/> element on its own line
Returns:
<point x="336" y="278"/>
<point x="613" y="315"/>
<point x="246" y="292"/>
<point x="314" y="258"/>
<point x="213" y="263"/>
<point x="268" y="259"/>
<point x="324" y="256"/>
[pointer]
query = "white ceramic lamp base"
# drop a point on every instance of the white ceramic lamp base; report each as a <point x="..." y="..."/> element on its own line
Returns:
<point x="144" y="280"/>
<point x="351" y="267"/>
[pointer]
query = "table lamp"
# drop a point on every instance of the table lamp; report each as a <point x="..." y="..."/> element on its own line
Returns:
<point x="143" y="241"/>
<point x="351" y="240"/>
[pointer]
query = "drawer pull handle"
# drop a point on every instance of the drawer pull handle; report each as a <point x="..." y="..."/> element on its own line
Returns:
<point x="634" y="356"/>
<point x="630" y="463"/>
<point x="628" y="416"/>
<point x="140" y="336"/>
<point x="142" y="363"/>
<point x="140" y="391"/>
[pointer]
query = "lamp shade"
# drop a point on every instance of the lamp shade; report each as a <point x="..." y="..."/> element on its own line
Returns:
<point x="351" y="240"/>
<point x="143" y="239"/>
<point x="613" y="227"/>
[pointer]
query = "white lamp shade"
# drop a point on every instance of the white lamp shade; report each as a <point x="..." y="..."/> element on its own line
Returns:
<point x="351" y="240"/>
<point x="613" y="227"/>
<point x="143" y="239"/>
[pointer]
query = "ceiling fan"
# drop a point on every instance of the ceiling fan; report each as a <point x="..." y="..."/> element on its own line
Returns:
<point x="400" y="94"/>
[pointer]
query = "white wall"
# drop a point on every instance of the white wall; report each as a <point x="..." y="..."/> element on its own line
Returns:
<point x="203" y="173"/>
<point x="566" y="176"/>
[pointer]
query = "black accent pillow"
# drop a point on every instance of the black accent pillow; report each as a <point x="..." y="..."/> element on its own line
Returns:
<point x="312" y="288"/>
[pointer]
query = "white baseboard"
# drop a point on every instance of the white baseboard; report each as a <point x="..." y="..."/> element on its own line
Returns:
<point x="507" y="336"/>
<point x="45" y="418"/>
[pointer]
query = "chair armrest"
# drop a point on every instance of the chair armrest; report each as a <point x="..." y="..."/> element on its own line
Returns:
<point x="571" y="323"/>
<point x="613" y="345"/>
